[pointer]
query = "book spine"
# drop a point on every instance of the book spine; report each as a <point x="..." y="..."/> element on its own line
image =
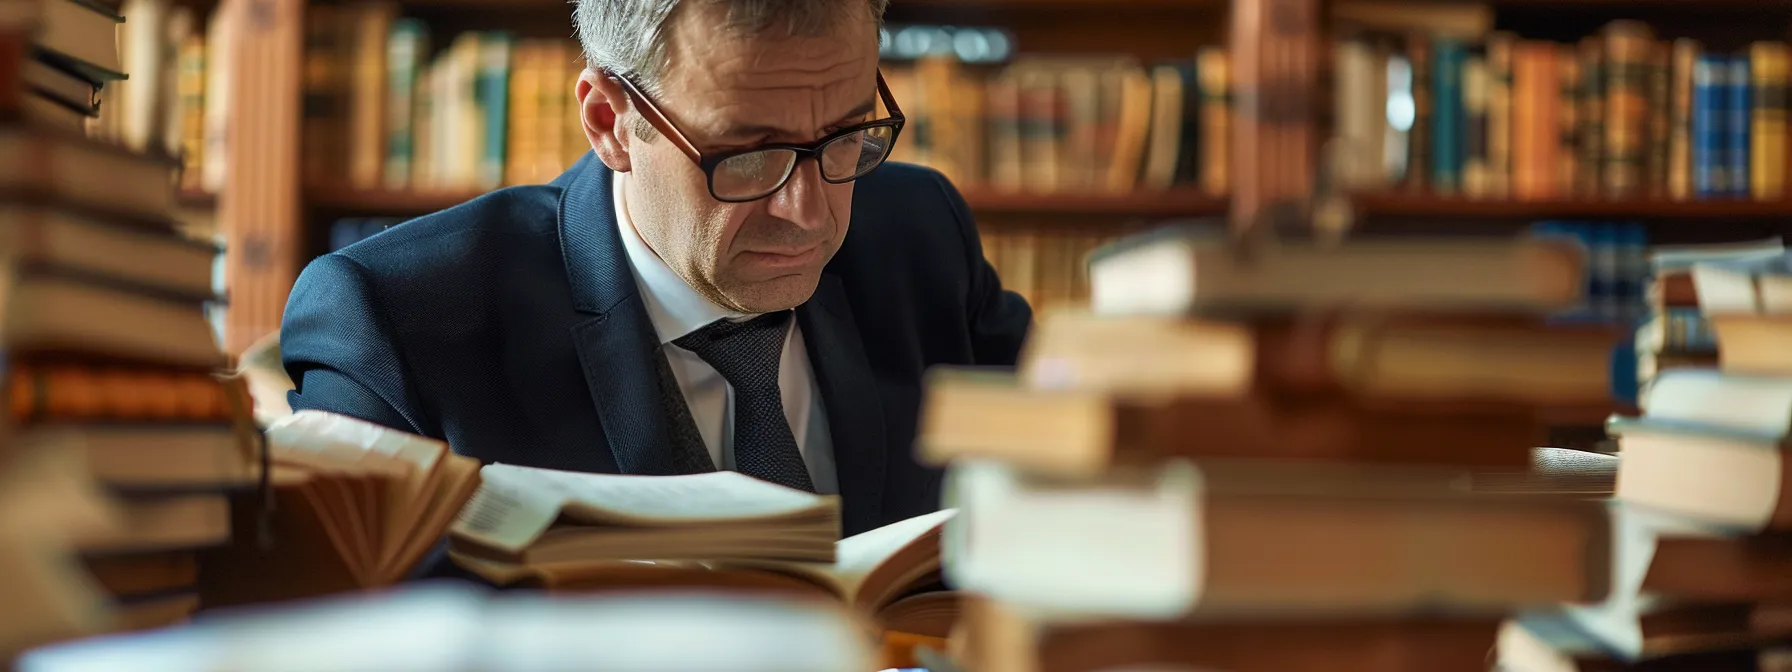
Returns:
<point x="1447" y="115"/>
<point x="1499" y="114"/>
<point x="1767" y="152"/>
<point x="370" y="30"/>
<point x="1213" y="66"/>
<point x="1591" y="107"/>
<point x="1567" y="100"/>
<point x="1656" y="117"/>
<point x="1477" y="179"/>
<point x="1627" y="61"/>
<point x="1710" y="171"/>
<point x="493" y="92"/>
<point x="1420" y="136"/>
<point x="1740" y="90"/>
<point x="405" y="47"/>
<point x="1680" y="120"/>
<point x="190" y="85"/>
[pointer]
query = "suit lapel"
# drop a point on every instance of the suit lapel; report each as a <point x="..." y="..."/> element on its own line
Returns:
<point x="617" y="346"/>
<point x="849" y="394"/>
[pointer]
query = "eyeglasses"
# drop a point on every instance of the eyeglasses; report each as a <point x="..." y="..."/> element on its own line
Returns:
<point x="750" y="174"/>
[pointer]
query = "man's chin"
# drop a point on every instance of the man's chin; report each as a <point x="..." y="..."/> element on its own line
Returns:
<point x="778" y="292"/>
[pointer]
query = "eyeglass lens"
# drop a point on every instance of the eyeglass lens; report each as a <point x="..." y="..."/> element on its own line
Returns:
<point x="756" y="174"/>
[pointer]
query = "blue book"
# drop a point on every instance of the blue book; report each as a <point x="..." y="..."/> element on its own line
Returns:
<point x="1710" y="170"/>
<point x="1447" y="115"/>
<point x="1741" y="87"/>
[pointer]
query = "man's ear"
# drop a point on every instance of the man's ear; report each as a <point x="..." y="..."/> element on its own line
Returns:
<point x="601" y="105"/>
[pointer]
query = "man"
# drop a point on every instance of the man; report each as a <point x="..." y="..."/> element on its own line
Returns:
<point x="687" y="297"/>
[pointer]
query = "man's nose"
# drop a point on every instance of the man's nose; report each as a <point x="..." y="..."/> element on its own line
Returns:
<point x="803" y="199"/>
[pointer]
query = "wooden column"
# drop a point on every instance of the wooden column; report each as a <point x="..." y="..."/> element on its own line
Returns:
<point x="1275" y="73"/>
<point x="258" y="208"/>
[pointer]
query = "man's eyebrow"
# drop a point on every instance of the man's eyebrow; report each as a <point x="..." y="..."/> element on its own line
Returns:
<point x="757" y="130"/>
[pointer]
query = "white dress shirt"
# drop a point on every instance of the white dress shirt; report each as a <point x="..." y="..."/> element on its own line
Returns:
<point x="676" y="310"/>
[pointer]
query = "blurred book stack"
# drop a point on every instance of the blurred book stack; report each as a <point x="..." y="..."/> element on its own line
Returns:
<point x="1267" y="461"/>
<point x="67" y="60"/>
<point x="1703" y="555"/>
<point x="108" y="350"/>
<point x="1677" y="334"/>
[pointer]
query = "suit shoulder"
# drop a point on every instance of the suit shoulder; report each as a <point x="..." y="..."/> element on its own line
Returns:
<point x="912" y="184"/>
<point x="492" y="222"/>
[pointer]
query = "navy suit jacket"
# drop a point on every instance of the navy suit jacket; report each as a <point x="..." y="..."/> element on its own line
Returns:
<point x="510" y="327"/>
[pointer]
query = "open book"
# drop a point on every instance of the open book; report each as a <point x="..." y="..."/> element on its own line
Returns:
<point x="720" y="530"/>
<point x="354" y="505"/>
<point x="527" y="515"/>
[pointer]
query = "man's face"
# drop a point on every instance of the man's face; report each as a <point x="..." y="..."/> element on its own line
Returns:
<point x="728" y="93"/>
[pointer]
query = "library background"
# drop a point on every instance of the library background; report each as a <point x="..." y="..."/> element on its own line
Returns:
<point x="1415" y="335"/>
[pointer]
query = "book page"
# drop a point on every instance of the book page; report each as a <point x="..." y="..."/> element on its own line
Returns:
<point x="858" y="555"/>
<point x="660" y="500"/>
<point x="336" y="435"/>
<point x="507" y="514"/>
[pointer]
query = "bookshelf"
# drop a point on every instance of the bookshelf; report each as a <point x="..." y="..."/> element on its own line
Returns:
<point x="1279" y="101"/>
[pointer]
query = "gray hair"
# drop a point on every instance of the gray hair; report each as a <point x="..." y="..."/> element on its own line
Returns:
<point x="628" y="37"/>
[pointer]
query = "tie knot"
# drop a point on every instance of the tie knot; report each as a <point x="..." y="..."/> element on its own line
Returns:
<point x="746" y="353"/>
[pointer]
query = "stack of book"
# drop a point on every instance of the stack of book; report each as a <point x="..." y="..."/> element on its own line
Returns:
<point x="1263" y="459"/>
<point x="1677" y="334"/>
<point x="108" y="350"/>
<point x="69" y="55"/>
<point x="1705" y="563"/>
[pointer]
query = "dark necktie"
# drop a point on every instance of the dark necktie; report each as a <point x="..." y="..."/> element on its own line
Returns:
<point x="746" y="354"/>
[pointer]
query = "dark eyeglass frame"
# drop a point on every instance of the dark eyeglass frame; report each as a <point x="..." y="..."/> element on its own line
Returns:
<point x="812" y="150"/>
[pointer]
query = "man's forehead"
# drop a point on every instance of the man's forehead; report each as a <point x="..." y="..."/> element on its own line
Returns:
<point x="788" y="85"/>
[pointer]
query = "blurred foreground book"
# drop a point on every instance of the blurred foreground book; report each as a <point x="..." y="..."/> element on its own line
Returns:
<point x="48" y="506"/>
<point x="452" y="627"/>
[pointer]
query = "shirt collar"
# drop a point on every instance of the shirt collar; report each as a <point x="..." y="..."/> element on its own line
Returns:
<point x="672" y="305"/>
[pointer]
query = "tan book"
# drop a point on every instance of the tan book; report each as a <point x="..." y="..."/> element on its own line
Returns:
<point x="1753" y="345"/>
<point x="1081" y="433"/>
<point x="1191" y="269"/>
<point x="60" y="312"/>
<point x="1395" y="358"/>
<point x="81" y="31"/>
<point x="1223" y="539"/>
<point x="61" y="166"/>
<point x="1684" y="55"/>
<point x="1214" y="74"/>
<point x="890" y="575"/>
<point x="1704" y="473"/>
<point x="148" y="251"/>
<point x="370" y="25"/>
<point x="355" y="505"/>
<point x="1767" y="129"/>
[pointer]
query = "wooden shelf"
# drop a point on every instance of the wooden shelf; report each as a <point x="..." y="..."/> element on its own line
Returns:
<point x="397" y="203"/>
<point x="1404" y="206"/>
<point x="1167" y="203"/>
